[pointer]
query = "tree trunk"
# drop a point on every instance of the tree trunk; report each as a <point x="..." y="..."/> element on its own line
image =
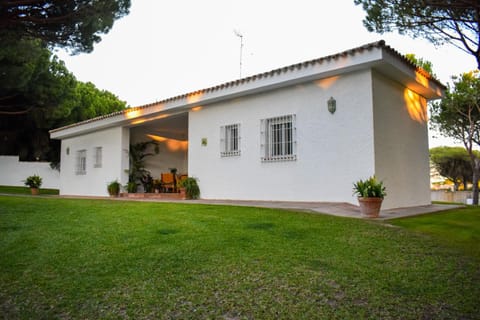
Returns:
<point x="476" y="171"/>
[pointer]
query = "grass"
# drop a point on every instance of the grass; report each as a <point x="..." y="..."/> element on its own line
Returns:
<point x="26" y="190"/>
<point x="63" y="258"/>
<point x="456" y="228"/>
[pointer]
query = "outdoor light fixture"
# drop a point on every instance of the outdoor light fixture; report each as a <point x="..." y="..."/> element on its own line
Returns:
<point x="332" y="105"/>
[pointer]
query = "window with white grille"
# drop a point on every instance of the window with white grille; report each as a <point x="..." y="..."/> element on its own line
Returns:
<point x="97" y="157"/>
<point x="278" y="139"/>
<point x="230" y="140"/>
<point x="81" y="163"/>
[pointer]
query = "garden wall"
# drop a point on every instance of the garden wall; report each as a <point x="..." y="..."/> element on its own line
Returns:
<point x="449" y="196"/>
<point x="13" y="172"/>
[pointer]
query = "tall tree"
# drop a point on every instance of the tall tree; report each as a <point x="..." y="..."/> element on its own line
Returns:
<point x="439" y="21"/>
<point x="453" y="163"/>
<point x="30" y="77"/>
<point x="458" y="116"/>
<point x="71" y="24"/>
<point x="38" y="93"/>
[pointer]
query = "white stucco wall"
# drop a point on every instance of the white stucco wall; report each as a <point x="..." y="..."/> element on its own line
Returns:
<point x="401" y="144"/>
<point x="332" y="150"/>
<point x="13" y="172"/>
<point x="113" y="142"/>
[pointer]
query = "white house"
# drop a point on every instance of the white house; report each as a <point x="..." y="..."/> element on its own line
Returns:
<point x="304" y="132"/>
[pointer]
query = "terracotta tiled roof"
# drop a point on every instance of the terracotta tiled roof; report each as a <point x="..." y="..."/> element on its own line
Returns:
<point x="269" y="74"/>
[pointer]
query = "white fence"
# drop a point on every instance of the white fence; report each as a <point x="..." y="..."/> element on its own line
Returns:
<point x="13" y="172"/>
<point x="449" y="196"/>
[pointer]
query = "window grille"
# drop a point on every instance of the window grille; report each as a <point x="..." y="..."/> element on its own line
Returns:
<point x="81" y="165"/>
<point x="97" y="157"/>
<point x="230" y="140"/>
<point x="278" y="139"/>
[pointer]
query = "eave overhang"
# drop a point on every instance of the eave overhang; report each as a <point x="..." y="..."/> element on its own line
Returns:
<point x="375" y="56"/>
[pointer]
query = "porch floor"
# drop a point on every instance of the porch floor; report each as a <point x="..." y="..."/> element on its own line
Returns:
<point x="153" y="196"/>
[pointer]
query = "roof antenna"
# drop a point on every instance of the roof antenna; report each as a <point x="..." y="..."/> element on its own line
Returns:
<point x="238" y="34"/>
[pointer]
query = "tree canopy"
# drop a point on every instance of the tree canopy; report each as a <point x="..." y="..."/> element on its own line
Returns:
<point x="38" y="93"/>
<point x="439" y="21"/>
<point x="32" y="79"/>
<point x="72" y="24"/>
<point x="453" y="163"/>
<point x="458" y="116"/>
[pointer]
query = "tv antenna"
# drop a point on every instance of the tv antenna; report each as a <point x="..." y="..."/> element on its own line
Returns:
<point x="238" y="34"/>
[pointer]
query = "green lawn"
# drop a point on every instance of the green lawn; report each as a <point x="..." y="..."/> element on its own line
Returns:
<point x="26" y="190"/>
<point x="92" y="259"/>
<point x="456" y="228"/>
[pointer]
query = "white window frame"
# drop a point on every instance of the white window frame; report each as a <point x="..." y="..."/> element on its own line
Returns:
<point x="279" y="139"/>
<point x="230" y="140"/>
<point x="97" y="157"/>
<point x="81" y="162"/>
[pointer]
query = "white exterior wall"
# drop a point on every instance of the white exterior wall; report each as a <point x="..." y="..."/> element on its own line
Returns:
<point x="94" y="183"/>
<point x="332" y="150"/>
<point x="13" y="172"/>
<point x="401" y="144"/>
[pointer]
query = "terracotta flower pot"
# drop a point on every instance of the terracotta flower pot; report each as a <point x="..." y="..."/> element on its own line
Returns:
<point x="370" y="207"/>
<point x="182" y="193"/>
<point x="34" y="191"/>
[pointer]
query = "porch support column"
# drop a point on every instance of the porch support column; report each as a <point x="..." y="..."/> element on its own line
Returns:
<point x="125" y="163"/>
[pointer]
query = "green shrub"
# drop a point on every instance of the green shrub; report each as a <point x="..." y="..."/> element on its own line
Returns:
<point x="34" y="181"/>
<point x="369" y="188"/>
<point x="131" y="187"/>
<point x="113" y="188"/>
<point x="192" y="191"/>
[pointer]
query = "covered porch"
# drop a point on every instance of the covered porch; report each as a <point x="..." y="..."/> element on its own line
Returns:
<point x="158" y="157"/>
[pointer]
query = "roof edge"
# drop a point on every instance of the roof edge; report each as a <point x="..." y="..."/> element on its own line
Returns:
<point x="234" y="83"/>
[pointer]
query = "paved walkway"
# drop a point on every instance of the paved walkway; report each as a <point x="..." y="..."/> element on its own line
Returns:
<point x="332" y="208"/>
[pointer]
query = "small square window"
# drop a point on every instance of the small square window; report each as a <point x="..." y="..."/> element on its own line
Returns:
<point x="230" y="140"/>
<point x="279" y="139"/>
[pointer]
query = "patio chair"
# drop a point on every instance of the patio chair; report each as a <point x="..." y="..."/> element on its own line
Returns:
<point x="180" y="178"/>
<point x="167" y="181"/>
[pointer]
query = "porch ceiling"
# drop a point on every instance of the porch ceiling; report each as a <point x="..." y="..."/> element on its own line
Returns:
<point x="173" y="127"/>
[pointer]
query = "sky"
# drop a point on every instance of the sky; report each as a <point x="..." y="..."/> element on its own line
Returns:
<point x="167" y="48"/>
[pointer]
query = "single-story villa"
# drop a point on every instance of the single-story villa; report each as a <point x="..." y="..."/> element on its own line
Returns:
<point x="304" y="132"/>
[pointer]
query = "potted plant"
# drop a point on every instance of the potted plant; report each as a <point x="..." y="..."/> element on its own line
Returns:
<point x="157" y="185"/>
<point x="147" y="182"/>
<point x="137" y="171"/>
<point x="131" y="187"/>
<point x="113" y="188"/>
<point x="192" y="191"/>
<point x="370" y="193"/>
<point x="34" y="182"/>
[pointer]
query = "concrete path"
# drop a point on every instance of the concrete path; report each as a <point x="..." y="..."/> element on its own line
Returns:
<point x="331" y="208"/>
<point x="334" y="208"/>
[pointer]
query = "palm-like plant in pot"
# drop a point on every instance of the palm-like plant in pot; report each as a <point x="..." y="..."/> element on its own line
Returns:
<point x="34" y="182"/>
<point x="113" y="188"/>
<point x="192" y="191"/>
<point x="370" y="193"/>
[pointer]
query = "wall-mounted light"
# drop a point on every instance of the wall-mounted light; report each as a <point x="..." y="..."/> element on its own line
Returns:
<point x="332" y="105"/>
